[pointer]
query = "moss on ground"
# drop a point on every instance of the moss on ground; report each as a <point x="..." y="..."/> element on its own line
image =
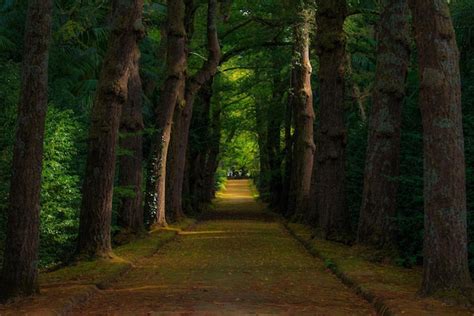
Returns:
<point x="396" y="287"/>
<point x="102" y="270"/>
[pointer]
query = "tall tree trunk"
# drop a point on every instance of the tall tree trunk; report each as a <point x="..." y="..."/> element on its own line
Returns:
<point x="288" y="159"/>
<point x="199" y="149"/>
<point x="176" y="67"/>
<point x="184" y="115"/>
<point x="445" y="241"/>
<point x="20" y="271"/>
<point x="261" y="118"/>
<point x="382" y="165"/>
<point x="96" y="209"/>
<point x="331" y="134"/>
<point x="304" y="113"/>
<point x="275" y="118"/>
<point x="212" y="161"/>
<point x="131" y="141"/>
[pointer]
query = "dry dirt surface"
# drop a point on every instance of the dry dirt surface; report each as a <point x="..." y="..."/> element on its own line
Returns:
<point x="238" y="260"/>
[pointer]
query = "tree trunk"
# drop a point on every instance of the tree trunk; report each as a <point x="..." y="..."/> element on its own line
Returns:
<point x="184" y="115"/>
<point x="288" y="160"/>
<point x="304" y="113"/>
<point x="199" y="149"/>
<point x="96" y="209"/>
<point x="130" y="162"/>
<point x="331" y="134"/>
<point x="445" y="241"/>
<point x="20" y="271"/>
<point x="174" y="83"/>
<point x="382" y="164"/>
<point x="212" y="161"/>
<point x="275" y="118"/>
<point x="261" y="118"/>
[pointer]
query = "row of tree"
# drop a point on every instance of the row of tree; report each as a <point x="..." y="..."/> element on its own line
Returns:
<point x="175" y="120"/>
<point x="310" y="179"/>
<point x="116" y="124"/>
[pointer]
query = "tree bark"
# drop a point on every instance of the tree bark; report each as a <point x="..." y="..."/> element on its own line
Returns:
<point x="174" y="83"/>
<point x="212" y="161"/>
<point x="331" y="133"/>
<point x="445" y="240"/>
<point x="304" y="113"/>
<point x="382" y="165"/>
<point x="20" y="265"/>
<point x="96" y="209"/>
<point x="130" y="163"/>
<point x="275" y="119"/>
<point x="288" y="159"/>
<point x="180" y="134"/>
<point x="200" y="148"/>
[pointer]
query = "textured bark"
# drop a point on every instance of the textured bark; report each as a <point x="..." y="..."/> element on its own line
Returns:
<point x="304" y="114"/>
<point x="96" y="209"/>
<point x="382" y="165"/>
<point x="275" y="118"/>
<point x="445" y="241"/>
<point x="264" y="155"/>
<point x="20" y="265"/>
<point x="183" y="116"/>
<point x="176" y="67"/>
<point x="212" y="161"/>
<point x="199" y="149"/>
<point x="288" y="159"/>
<point x="331" y="133"/>
<point x="131" y="142"/>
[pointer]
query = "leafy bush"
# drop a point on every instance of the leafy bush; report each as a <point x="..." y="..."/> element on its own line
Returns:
<point x="60" y="196"/>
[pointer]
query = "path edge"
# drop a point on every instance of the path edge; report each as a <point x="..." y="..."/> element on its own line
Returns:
<point x="96" y="287"/>
<point x="376" y="301"/>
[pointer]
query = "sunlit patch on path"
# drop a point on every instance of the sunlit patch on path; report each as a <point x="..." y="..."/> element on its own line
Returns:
<point x="237" y="260"/>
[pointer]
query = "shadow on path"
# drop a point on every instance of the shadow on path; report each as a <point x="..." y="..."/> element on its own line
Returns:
<point x="237" y="260"/>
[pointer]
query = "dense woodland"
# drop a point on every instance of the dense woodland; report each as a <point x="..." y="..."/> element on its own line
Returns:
<point x="353" y="116"/>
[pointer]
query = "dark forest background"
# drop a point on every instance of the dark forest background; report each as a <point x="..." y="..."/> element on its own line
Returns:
<point x="255" y="80"/>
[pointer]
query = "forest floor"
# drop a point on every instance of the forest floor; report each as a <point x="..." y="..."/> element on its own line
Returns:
<point x="238" y="259"/>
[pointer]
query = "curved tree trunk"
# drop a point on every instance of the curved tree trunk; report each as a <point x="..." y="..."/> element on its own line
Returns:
<point x="20" y="265"/>
<point x="96" y="209"/>
<point x="176" y="67"/>
<point x="445" y="241"/>
<point x="183" y="116"/>
<point x="130" y="162"/>
<point x="331" y="134"/>
<point x="382" y="165"/>
<point x="304" y="114"/>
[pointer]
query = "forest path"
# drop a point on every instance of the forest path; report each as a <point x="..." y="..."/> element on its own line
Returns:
<point x="237" y="260"/>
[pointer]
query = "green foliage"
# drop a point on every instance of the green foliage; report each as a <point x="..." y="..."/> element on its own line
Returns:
<point x="60" y="195"/>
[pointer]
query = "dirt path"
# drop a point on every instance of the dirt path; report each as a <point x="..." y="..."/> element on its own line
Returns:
<point x="238" y="260"/>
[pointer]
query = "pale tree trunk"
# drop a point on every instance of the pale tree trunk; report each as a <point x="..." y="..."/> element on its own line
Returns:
<point x="445" y="242"/>
<point x="304" y="114"/>
<point x="96" y="209"/>
<point x="288" y="152"/>
<point x="20" y="264"/>
<point x="331" y="135"/>
<point x="176" y="64"/>
<point x="382" y="164"/>
<point x="131" y="142"/>
<point x="184" y="115"/>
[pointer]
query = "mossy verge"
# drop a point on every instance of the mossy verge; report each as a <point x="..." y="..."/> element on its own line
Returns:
<point x="64" y="288"/>
<point x="390" y="289"/>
